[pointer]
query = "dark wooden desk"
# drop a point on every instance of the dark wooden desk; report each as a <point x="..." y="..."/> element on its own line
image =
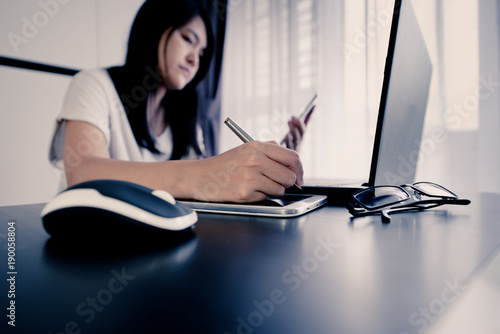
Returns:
<point x="319" y="273"/>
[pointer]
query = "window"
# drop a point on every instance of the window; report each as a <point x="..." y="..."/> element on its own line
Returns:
<point x="279" y="53"/>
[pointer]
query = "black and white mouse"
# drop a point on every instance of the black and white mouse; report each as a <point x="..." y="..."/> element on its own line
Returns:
<point x="113" y="207"/>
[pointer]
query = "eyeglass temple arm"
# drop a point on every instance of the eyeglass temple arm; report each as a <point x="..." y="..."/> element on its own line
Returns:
<point x="453" y="201"/>
<point x="385" y="213"/>
<point x="360" y="212"/>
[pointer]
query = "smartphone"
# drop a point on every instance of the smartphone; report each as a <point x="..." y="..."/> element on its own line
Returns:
<point x="307" y="111"/>
<point x="304" y="116"/>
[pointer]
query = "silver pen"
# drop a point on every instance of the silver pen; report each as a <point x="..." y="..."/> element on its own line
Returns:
<point x="245" y="137"/>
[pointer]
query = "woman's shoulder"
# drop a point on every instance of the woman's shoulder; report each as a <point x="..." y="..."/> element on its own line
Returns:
<point x="92" y="89"/>
<point x="94" y="83"/>
<point x="92" y="75"/>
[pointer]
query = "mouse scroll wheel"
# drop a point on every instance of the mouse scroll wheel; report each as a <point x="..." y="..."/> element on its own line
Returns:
<point x="164" y="195"/>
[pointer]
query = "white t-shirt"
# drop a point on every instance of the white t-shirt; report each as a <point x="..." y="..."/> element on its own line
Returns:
<point x="92" y="98"/>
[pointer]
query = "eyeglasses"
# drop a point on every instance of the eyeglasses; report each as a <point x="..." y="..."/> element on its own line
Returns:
<point x="391" y="199"/>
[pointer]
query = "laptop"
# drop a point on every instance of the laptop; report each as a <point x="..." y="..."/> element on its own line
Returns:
<point x="403" y="102"/>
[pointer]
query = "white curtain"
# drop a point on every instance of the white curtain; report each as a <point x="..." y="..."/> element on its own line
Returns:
<point x="463" y="38"/>
<point x="279" y="53"/>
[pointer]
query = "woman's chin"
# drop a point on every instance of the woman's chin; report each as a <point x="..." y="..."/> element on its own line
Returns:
<point x="176" y="85"/>
<point x="176" y="81"/>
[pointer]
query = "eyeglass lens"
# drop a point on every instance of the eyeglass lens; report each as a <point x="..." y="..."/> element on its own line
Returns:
<point x="377" y="197"/>
<point x="432" y="189"/>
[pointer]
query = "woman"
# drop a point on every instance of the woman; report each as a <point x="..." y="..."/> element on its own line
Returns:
<point x="138" y="122"/>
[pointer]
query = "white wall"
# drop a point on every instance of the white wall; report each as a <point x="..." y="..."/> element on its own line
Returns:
<point x="74" y="34"/>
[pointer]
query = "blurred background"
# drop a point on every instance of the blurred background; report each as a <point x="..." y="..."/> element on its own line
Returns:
<point x="277" y="55"/>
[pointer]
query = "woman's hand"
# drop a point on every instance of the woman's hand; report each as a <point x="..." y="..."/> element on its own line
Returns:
<point x="248" y="173"/>
<point x="294" y="137"/>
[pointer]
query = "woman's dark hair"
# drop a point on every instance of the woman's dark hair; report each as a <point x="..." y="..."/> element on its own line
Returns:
<point x="141" y="73"/>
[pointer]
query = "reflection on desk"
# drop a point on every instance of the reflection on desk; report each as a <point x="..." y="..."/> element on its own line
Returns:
<point x="318" y="273"/>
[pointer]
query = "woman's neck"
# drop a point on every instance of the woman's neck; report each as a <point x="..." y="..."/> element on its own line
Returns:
<point x="155" y="112"/>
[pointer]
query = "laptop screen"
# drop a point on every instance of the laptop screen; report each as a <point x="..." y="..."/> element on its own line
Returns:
<point x="403" y="101"/>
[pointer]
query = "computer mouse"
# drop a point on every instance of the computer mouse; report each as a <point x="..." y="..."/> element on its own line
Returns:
<point x="113" y="207"/>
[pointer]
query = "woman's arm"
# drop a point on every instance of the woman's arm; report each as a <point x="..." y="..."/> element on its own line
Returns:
<point x="247" y="173"/>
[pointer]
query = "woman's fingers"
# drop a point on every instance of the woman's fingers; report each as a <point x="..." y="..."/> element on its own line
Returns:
<point x="296" y="132"/>
<point x="253" y="171"/>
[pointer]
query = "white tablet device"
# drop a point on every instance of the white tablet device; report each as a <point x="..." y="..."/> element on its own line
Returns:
<point x="289" y="205"/>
